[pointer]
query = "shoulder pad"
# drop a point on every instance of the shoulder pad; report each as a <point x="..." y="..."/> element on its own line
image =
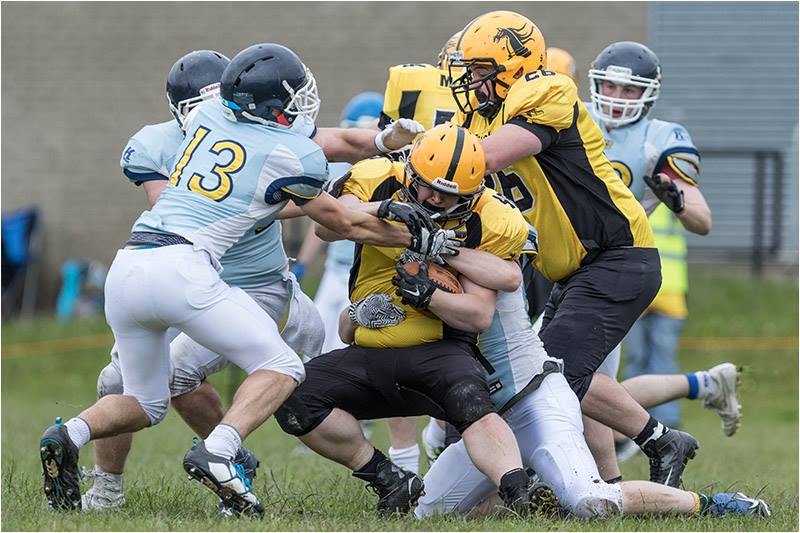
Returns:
<point x="366" y="176"/>
<point x="543" y="97"/>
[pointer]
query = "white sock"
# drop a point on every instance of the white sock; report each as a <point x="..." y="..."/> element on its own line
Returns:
<point x="407" y="458"/>
<point x="79" y="432"/>
<point x="224" y="441"/>
<point x="706" y="385"/>
<point x="433" y="435"/>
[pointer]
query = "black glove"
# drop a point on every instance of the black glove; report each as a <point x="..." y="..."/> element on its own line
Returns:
<point x="415" y="291"/>
<point x="414" y="218"/>
<point x="427" y="238"/>
<point x="666" y="191"/>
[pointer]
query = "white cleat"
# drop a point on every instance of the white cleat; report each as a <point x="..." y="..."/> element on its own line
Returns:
<point x="106" y="492"/>
<point x="725" y="403"/>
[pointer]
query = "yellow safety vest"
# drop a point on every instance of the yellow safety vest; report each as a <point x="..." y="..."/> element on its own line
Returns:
<point x="671" y="243"/>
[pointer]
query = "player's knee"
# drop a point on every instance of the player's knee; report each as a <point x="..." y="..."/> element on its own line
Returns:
<point x="466" y="403"/>
<point x="295" y="418"/>
<point x="288" y="364"/>
<point x="109" y="381"/>
<point x="155" y="410"/>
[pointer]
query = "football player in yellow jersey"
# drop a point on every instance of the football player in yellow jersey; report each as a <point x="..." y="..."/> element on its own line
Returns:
<point x="422" y="92"/>
<point x="418" y="91"/>
<point x="561" y="61"/>
<point x="424" y="359"/>
<point x="544" y="152"/>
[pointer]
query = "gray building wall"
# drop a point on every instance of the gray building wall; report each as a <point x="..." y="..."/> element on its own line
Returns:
<point x="730" y="76"/>
<point x="80" y="78"/>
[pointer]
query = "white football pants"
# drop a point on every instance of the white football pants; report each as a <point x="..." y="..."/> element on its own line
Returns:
<point x="548" y="427"/>
<point x="150" y="290"/>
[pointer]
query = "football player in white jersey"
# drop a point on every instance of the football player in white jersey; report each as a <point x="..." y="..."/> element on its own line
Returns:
<point x="250" y="166"/>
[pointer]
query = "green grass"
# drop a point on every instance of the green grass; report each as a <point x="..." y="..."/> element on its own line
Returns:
<point x="306" y="492"/>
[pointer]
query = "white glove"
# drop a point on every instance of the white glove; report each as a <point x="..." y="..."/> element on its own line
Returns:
<point x="398" y="134"/>
<point x="375" y="311"/>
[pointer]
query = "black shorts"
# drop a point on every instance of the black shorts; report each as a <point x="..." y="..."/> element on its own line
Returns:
<point x="442" y="379"/>
<point x="591" y="311"/>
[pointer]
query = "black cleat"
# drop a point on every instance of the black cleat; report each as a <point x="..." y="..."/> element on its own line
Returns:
<point x="59" y="457"/>
<point x="669" y="455"/>
<point x="225" y="478"/>
<point x="249" y="463"/>
<point x="543" y="501"/>
<point x="397" y="488"/>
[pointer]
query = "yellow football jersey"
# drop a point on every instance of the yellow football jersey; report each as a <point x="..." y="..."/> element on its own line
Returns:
<point x="496" y="227"/>
<point x="569" y="192"/>
<point x="420" y="92"/>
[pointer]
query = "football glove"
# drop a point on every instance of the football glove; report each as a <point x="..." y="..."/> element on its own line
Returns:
<point x="666" y="191"/>
<point x="414" y="290"/>
<point x="375" y="311"/>
<point x="398" y="134"/>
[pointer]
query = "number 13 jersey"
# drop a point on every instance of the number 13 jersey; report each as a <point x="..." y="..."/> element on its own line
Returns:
<point x="228" y="176"/>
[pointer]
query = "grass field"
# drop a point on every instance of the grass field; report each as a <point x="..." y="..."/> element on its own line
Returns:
<point x="751" y="323"/>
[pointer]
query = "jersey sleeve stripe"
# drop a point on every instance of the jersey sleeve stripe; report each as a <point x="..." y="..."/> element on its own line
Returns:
<point x="676" y="150"/>
<point x="139" y="178"/>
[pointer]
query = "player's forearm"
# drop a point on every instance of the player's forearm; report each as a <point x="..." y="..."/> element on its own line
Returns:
<point x="369" y="229"/>
<point x="487" y="269"/>
<point x="348" y="145"/>
<point x="330" y="235"/>
<point x="696" y="215"/>
<point x="290" y="210"/>
<point x="347" y="330"/>
<point x="466" y="312"/>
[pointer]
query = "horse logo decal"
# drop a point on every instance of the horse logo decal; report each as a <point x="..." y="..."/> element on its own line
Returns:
<point x="515" y="45"/>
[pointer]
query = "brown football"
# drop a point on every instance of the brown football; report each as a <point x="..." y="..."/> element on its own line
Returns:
<point x="440" y="276"/>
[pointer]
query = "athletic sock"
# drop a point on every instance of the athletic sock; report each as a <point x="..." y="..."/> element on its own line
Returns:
<point x="701" y="502"/>
<point x="407" y="458"/>
<point x="652" y="431"/>
<point x="368" y="471"/>
<point x="224" y="441"/>
<point x="701" y="385"/>
<point x="433" y="435"/>
<point x="79" y="431"/>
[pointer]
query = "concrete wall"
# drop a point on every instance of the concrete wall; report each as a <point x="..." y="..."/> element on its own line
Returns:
<point x="80" y="78"/>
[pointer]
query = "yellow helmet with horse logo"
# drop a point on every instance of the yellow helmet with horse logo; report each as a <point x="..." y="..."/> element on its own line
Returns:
<point x="507" y="44"/>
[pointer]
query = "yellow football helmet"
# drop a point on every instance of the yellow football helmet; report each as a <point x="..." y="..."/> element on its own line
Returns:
<point x="448" y="48"/>
<point x="561" y="61"/>
<point x="508" y="45"/>
<point x="450" y="160"/>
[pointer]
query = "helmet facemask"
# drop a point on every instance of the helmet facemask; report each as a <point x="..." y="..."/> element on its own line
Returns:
<point x="304" y="101"/>
<point x="465" y="86"/>
<point x="181" y="110"/>
<point x="630" y="110"/>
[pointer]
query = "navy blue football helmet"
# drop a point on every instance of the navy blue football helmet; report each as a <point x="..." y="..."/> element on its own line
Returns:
<point x="625" y="63"/>
<point x="268" y="84"/>
<point x="192" y="79"/>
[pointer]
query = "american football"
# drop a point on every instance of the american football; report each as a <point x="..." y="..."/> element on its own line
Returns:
<point x="440" y="276"/>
